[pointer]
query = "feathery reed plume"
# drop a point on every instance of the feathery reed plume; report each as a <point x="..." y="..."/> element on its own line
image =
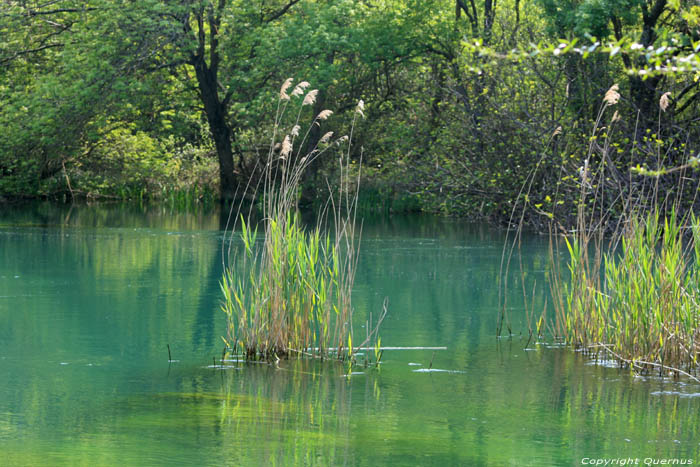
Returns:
<point x="361" y="108"/>
<point x="557" y="131"/>
<point x="326" y="137"/>
<point x="286" y="147"/>
<point x="325" y="114"/>
<point x="310" y="97"/>
<point x="612" y="96"/>
<point x="665" y="101"/>
<point x="283" y="90"/>
<point x="616" y="117"/>
<point x="299" y="88"/>
<point x="295" y="130"/>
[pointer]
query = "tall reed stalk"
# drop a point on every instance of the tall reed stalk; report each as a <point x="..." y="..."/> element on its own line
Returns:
<point x="290" y="291"/>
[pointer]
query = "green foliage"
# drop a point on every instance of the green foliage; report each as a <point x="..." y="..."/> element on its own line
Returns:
<point x="464" y="107"/>
<point x="77" y="66"/>
<point x="129" y="164"/>
<point x="589" y="17"/>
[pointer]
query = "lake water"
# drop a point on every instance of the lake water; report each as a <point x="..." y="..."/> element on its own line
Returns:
<point x="91" y="296"/>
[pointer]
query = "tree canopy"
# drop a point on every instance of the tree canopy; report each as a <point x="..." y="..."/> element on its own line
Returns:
<point x="467" y="100"/>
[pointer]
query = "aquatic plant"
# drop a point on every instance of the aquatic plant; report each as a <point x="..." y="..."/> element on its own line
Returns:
<point x="633" y="285"/>
<point x="645" y="310"/>
<point x="630" y="289"/>
<point x="291" y="292"/>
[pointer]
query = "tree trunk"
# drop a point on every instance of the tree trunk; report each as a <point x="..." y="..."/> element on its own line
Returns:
<point x="643" y="92"/>
<point x="575" y="96"/>
<point x="215" y="111"/>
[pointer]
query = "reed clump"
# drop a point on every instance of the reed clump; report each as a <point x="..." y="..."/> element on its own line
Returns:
<point x="644" y="309"/>
<point x="632" y="292"/>
<point x="288" y="291"/>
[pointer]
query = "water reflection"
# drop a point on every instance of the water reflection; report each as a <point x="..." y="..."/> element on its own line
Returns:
<point x="90" y="298"/>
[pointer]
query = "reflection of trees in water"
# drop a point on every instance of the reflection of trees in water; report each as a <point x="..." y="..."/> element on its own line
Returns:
<point x="306" y="412"/>
<point x="299" y="413"/>
<point x="98" y="288"/>
<point x="590" y="408"/>
<point x="441" y="277"/>
<point x="121" y="215"/>
<point x="547" y="404"/>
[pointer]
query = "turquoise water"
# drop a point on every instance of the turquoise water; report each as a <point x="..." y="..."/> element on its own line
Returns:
<point x="91" y="296"/>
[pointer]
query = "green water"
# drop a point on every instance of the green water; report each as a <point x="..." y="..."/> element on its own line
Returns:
<point x="91" y="296"/>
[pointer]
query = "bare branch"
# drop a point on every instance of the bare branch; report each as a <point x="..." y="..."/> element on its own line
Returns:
<point x="279" y="13"/>
<point x="29" y="51"/>
<point x="59" y="10"/>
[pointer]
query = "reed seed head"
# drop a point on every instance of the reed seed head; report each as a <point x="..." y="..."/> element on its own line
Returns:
<point x="612" y="96"/>
<point x="283" y="90"/>
<point x="295" y="130"/>
<point x="310" y="97"/>
<point x="286" y="147"/>
<point x="299" y="88"/>
<point x="557" y="131"/>
<point x="325" y="114"/>
<point x="665" y="101"/>
<point x="326" y="137"/>
<point x="360" y="109"/>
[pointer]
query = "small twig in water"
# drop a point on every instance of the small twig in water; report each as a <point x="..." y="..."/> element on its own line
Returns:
<point x="640" y="363"/>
